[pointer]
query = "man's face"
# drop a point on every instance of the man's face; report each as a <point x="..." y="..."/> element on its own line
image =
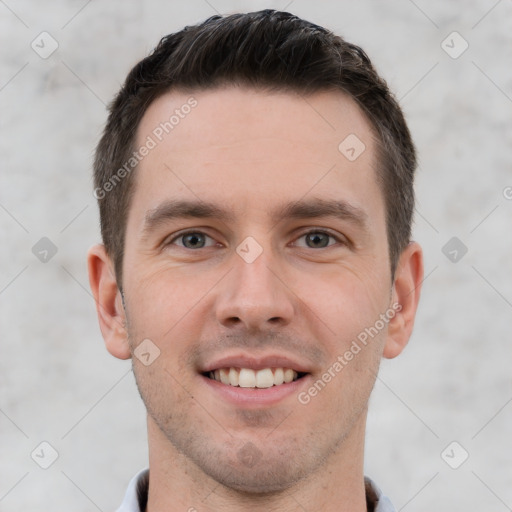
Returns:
<point x="238" y="257"/>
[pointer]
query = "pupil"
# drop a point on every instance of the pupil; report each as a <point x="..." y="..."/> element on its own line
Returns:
<point x="318" y="239"/>
<point x="193" y="240"/>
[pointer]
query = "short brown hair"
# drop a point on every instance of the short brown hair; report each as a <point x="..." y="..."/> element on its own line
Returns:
<point x="270" y="50"/>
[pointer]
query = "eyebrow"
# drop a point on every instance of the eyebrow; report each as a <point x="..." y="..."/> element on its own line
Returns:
<point x="182" y="209"/>
<point x="302" y="209"/>
<point x="314" y="208"/>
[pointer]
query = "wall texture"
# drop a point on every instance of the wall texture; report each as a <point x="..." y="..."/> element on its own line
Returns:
<point x="441" y="414"/>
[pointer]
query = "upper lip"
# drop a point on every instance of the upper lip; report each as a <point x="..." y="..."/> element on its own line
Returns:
<point x="257" y="363"/>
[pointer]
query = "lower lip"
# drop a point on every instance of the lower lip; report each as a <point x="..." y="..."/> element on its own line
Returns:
<point x="256" y="397"/>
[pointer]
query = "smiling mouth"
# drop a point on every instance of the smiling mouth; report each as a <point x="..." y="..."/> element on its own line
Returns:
<point x="249" y="378"/>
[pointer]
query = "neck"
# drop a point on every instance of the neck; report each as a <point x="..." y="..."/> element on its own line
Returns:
<point x="178" y="484"/>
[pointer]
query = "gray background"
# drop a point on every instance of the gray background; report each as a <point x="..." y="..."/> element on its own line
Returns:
<point x="453" y="383"/>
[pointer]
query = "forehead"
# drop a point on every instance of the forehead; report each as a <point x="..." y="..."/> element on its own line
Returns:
<point x="227" y="115"/>
<point x="252" y="148"/>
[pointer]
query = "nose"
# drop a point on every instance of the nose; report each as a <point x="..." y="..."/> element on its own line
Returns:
<point x="255" y="295"/>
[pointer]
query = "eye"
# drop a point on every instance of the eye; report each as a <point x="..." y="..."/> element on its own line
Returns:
<point x="317" y="239"/>
<point x="192" y="240"/>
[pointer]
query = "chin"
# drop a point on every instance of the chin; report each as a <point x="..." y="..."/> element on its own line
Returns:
<point x="257" y="467"/>
<point x="269" y="476"/>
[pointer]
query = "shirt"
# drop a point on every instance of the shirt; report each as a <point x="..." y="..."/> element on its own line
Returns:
<point x="136" y="496"/>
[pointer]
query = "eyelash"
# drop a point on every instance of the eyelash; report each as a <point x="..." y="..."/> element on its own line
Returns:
<point x="312" y="231"/>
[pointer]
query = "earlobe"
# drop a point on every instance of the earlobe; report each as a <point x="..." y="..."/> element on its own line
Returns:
<point x="109" y="306"/>
<point x="406" y="293"/>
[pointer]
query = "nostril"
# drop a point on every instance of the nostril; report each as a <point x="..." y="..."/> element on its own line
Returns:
<point x="275" y="321"/>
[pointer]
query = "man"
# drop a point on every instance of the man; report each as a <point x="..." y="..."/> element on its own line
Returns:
<point x="255" y="185"/>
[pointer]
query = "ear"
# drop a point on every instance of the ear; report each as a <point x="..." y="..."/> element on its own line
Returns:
<point x="109" y="304"/>
<point x="406" y="293"/>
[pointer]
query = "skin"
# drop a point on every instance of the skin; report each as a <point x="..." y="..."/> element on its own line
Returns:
<point x="250" y="152"/>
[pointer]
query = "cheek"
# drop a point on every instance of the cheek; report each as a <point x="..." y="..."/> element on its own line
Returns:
<point x="169" y="407"/>
<point x="344" y="313"/>
<point x="345" y="303"/>
<point x="164" y="300"/>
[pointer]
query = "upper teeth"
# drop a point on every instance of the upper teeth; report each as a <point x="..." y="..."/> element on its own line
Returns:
<point x="248" y="378"/>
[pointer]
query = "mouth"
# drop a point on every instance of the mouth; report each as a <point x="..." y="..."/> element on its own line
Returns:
<point x="257" y="379"/>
